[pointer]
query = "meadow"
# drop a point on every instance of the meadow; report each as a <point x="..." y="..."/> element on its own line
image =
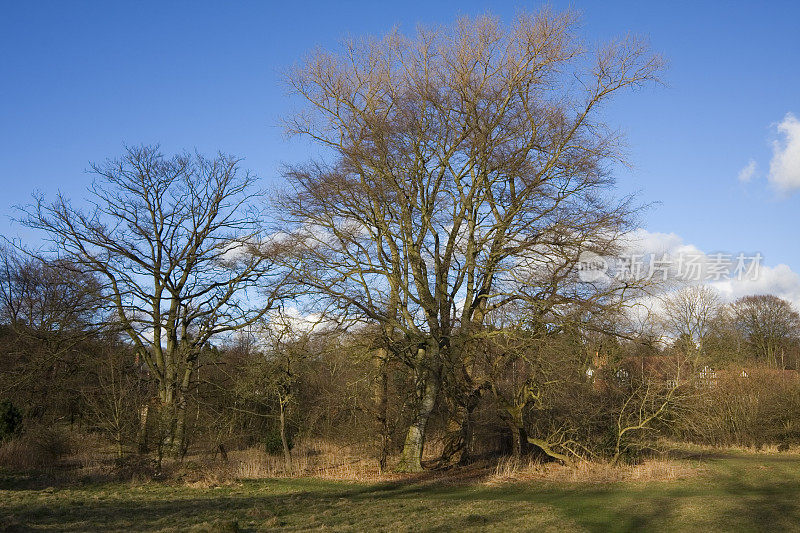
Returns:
<point x="709" y="491"/>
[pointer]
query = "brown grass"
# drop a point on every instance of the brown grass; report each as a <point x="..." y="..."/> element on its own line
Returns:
<point x="709" y="449"/>
<point x="324" y="460"/>
<point x="91" y="458"/>
<point x="314" y="458"/>
<point x="653" y="469"/>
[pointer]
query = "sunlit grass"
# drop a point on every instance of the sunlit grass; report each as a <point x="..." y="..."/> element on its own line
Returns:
<point x="733" y="491"/>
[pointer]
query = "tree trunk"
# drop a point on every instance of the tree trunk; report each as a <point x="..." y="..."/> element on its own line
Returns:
<point x="427" y="391"/>
<point x="172" y="394"/>
<point x="179" y="438"/>
<point x="465" y="427"/>
<point x="468" y="426"/>
<point x="141" y="436"/>
<point x="383" y="407"/>
<point x="466" y="439"/>
<point x="516" y="440"/>
<point x="171" y="427"/>
<point x="411" y="458"/>
<point x="287" y="455"/>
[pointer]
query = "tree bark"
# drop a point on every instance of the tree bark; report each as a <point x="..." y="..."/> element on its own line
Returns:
<point x="465" y="427"/>
<point x="179" y="438"/>
<point x="516" y="441"/>
<point x="141" y="437"/>
<point x="287" y="454"/>
<point x="427" y="391"/>
<point x="383" y="408"/>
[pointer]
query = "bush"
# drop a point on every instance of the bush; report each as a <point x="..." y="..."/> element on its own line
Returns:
<point x="273" y="444"/>
<point x="135" y="468"/>
<point x="36" y="448"/>
<point x="10" y="420"/>
<point x="756" y="408"/>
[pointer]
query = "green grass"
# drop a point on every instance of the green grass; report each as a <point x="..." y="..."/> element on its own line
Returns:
<point x="735" y="492"/>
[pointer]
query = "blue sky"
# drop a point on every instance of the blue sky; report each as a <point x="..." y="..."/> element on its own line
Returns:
<point x="79" y="79"/>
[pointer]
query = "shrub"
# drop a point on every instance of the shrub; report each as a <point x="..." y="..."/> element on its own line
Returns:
<point x="273" y="444"/>
<point x="135" y="468"/>
<point x="10" y="420"/>
<point x="756" y="408"/>
<point x="39" y="447"/>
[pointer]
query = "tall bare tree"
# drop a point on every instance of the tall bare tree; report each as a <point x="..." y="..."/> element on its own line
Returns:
<point x="689" y="314"/>
<point x="468" y="168"/>
<point x="177" y="243"/>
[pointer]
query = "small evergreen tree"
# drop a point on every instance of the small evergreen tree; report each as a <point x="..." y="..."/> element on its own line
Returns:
<point x="10" y="420"/>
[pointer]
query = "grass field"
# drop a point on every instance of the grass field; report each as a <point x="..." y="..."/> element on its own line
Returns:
<point x="733" y="491"/>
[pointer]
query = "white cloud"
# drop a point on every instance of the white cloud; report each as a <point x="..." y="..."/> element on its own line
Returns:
<point x="291" y="322"/>
<point x="784" y="169"/>
<point x="747" y="173"/>
<point x="779" y="280"/>
<point x="641" y="241"/>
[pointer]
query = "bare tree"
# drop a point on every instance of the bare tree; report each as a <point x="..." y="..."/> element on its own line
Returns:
<point x="646" y="404"/>
<point x="768" y="324"/>
<point x="288" y="343"/>
<point x="689" y="314"/>
<point x="49" y="311"/>
<point x="45" y="297"/>
<point x="114" y="395"/>
<point x="177" y="242"/>
<point x="461" y="159"/>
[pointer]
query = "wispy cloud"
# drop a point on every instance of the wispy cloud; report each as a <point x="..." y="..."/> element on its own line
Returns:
<point x="747" y="173"/>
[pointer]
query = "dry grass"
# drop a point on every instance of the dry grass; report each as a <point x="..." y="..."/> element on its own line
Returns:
<point x="513" y="470"/>
<point x="91" y="458"/>
<point x="319" y="459"/>
<point x="709" y="449"/>
<point x="310" y="459"/>
<point x="324" y="460"/>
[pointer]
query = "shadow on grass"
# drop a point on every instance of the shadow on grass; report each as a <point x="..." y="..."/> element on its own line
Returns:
<point x="740" y="493"/>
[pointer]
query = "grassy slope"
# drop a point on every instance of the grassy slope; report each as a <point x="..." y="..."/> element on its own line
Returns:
<point x="740" y="492"/>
